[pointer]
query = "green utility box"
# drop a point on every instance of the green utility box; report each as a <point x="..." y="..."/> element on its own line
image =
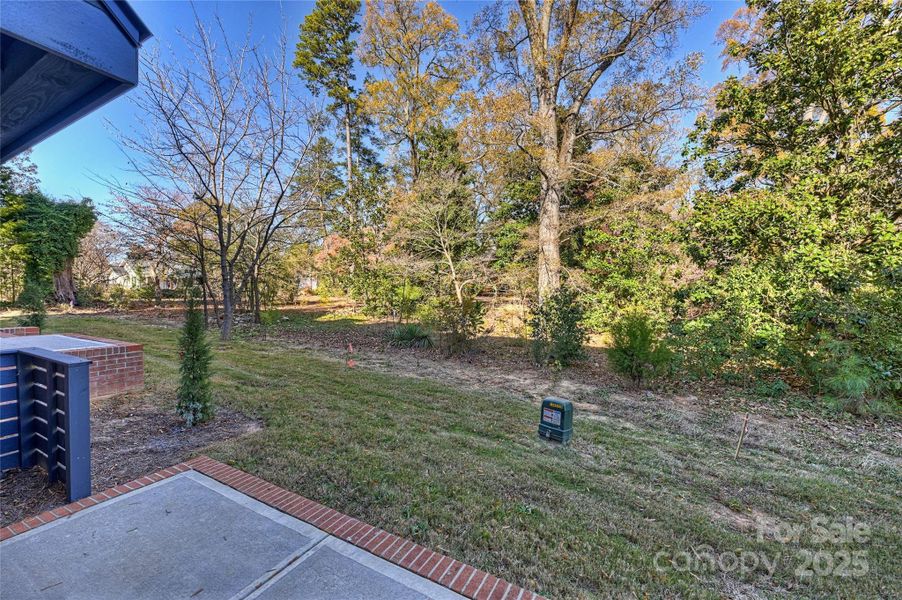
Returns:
<point x="557" y="419"/>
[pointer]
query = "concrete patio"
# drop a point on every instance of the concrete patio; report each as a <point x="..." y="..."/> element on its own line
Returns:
<point x="183" y="534"/>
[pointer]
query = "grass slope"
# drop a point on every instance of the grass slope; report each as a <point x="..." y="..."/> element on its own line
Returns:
<point x="466" y="474"/>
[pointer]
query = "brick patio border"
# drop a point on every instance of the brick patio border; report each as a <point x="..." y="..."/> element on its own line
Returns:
<point x="443" y="570"/>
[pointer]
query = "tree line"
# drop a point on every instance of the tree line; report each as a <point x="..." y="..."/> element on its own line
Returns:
<point x="537" y="155"/>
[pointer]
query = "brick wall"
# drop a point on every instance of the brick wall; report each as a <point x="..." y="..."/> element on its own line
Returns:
<point x="114" y="369"/>
<point x="7" y="331"/>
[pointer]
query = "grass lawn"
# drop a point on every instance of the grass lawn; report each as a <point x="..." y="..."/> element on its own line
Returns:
<point x="466" y="474"/>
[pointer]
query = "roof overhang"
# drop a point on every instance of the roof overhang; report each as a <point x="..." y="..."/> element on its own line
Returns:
<point x="59" y="61"/>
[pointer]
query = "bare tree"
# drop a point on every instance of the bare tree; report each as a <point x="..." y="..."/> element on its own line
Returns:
<point x="224" y="136"/>
<point x="97" y="253"/>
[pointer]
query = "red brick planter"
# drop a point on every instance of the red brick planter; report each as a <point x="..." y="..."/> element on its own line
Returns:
<point x="114" y="369"/>
<point x="8" y="331"/>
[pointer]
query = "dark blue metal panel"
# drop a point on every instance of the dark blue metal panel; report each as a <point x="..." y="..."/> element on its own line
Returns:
<point x="9" y="427"/>
<point x="9" y="409"/>
<point x="52" y="424"/>
<point x="78" y="432"/>
<point x="9" y="444"/>
<point x="77" y="31"/>
<point x="7" y="393"/>
<point x="57" y="357"/>
<point x="127" y="19"/>
<point x="53" y="438"/>
<point x="10" y="461"/>
<point x="69" y="429"/>
<point x="26" y="412"/>
<point x="8" y="376"/>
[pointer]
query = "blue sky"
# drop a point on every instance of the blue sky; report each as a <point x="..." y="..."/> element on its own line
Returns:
<point x="69" y="161"/>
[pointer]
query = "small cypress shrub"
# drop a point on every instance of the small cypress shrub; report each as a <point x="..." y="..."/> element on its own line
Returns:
<point x="195" y="399"/>
<point x="32" y="302"/>
<point x="636" y="350"/>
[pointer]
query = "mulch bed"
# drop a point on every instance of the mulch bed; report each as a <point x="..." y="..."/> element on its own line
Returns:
<point x="130" y="437"/>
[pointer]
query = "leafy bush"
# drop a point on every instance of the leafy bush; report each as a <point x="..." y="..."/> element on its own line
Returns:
<point x="269" y="317"/>
<point x="636" y="349"/>
<point x="557" y="328"/>
<point x="852" y="382"/>
<point x="410" y="335"/>
<point x="195" y="399"/>
<point x="146" y="293"/>
<point x="632" y="261"/>
<point x="32" y="301"/>
<point x="756" y="321"/>
<point x="732" y="331"/>
<point x="776" y="388"/>
<point x="404" y="299"/>
<point x="120" y="297"/>
<point x="88" y="295"/>
<point x="458" y="322"/>
<point x="384" y="292"/>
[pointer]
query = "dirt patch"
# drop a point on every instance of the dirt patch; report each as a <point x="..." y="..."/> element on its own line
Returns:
<point x="130" y="437"/>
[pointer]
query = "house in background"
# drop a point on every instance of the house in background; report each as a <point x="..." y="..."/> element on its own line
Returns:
<point x="135" y="274"/>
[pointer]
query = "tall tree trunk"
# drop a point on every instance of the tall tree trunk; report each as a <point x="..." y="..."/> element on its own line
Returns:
<point x="63" y="285"/>
<point x="157" y="289"/>
<point x="203" y="288"/>
<point x="255" y="293"/>
<point x="350" y="165"/>
<point x="553" y="179"/>
<point x="228" y="300"/>
<point x="203" y="285"/>
<point x="212" y="295"/>
<point x="202" y="266"/>
<point x="550" y="238"/>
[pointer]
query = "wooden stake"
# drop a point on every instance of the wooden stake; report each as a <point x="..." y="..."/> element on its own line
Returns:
<point x="745" y="426"/>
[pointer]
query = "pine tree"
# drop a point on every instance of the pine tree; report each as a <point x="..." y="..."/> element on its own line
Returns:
<point x="195" y="401"/>
<point x="325" y="56"/>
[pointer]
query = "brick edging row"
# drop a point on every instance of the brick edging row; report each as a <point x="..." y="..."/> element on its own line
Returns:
<point x="443" y="570"/>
